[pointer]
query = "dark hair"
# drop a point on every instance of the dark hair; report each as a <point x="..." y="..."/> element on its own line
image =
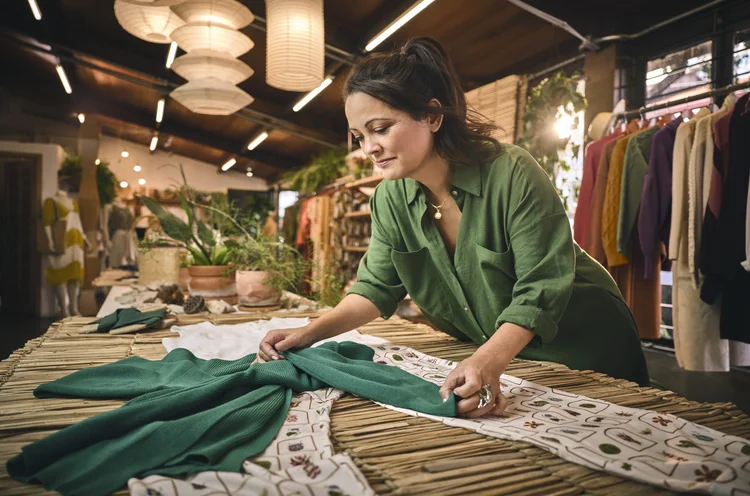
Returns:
<point x="409" y="78"/>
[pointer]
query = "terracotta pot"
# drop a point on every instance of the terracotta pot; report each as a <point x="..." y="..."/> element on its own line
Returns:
<point x="184" y="279"/>
<point x="252" y="291"/>
<point x="209" y="281"/>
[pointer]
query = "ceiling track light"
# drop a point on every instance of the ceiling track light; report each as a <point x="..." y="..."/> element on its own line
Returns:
<point x="63" y="79"/>
<point x="397" y="24"/>
<point x="257" y="141"/>
<point x="171" y="54"/>
<point x="154" y="142"/>
<point x="160" y="110"/>
<point x="81" y="118"/>
<point x="35" y="10"/>
<point x="307" y="98"/>
<point x="229" y="164"/>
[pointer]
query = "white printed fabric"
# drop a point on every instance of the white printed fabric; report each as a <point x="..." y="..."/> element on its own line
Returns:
<point x="299" y="461"/>
<point x="650" y="447"/>
<point x="642" y="445"/>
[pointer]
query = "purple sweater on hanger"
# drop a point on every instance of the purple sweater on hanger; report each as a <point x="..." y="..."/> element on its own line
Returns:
<point x="656" y="199"/>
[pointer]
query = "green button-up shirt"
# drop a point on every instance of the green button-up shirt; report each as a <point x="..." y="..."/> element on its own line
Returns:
<point x="515" y="261"/>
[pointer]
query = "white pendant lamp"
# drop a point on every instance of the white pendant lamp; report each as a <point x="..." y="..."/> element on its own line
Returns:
<point x="201" y="64"/>
<point x="228" y="13"/>
<point x="295" y="46"/>
<point x="205" y="36"/>
<point x="211" y="96"/>
<point x="152" y="24"/>
<point x="154" y="3"/>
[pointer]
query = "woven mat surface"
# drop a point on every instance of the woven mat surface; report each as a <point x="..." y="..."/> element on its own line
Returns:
<point x="397" y="453"/>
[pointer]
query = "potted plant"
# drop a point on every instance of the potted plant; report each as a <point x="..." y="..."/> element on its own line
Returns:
<point x="209" y="269"/>
<point x="264" y="269"/>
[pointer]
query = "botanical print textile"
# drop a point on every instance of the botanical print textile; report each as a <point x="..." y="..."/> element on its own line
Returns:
<point x="650" y="447"/>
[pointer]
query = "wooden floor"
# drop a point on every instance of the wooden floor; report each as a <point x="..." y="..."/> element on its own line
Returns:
<point x="397" y="453"/>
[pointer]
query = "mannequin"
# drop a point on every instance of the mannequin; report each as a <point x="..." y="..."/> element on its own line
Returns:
<point x="120" y="222"/>
<point x="65" y="271"/>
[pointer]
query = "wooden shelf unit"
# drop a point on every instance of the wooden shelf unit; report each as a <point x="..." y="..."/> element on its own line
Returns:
<point x="356" y="249"/>
<point x="364" y="182"/>
<point x="361" y="213"/>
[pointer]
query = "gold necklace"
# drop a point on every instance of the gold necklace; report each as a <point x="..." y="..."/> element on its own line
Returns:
<point x="437" y="208"/>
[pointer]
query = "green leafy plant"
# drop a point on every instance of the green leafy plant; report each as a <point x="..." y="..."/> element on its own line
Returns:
<point x="106" y="181"/>
<point x="195" y="235"/>
<point x="323" y="170"/>
<point x="553" y="99"/>
<point x="286" y="267"/>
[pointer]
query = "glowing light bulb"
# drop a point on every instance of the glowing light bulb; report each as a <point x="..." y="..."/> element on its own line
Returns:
<point x="137" y="168"/>
<point x="141" y="181"/>
<point x="123" y="184"/>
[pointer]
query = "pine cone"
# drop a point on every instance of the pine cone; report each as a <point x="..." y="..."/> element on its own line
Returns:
<point x="194" y="304"/>
<point x="171" y="295"/>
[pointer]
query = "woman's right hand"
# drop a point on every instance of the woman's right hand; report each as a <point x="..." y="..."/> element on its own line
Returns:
<point x="281" y="340"/>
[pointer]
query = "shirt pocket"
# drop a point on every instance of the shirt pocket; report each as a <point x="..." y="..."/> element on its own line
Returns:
<point x="421" y="279"/>
<point x="497" y="272"/>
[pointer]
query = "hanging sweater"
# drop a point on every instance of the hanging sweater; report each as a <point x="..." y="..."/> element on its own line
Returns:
<point x="191" y="415"/>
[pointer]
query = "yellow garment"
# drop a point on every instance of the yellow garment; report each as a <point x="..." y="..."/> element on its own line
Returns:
<point x="67" y="266"/>
<point x="611" y="210"/>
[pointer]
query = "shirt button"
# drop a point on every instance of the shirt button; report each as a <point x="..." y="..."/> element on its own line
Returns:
<point x="466" y="308"/>
<point x="454" y="192"/>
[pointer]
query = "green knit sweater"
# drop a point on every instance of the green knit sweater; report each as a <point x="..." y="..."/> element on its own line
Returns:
<point x="191" y="415"/>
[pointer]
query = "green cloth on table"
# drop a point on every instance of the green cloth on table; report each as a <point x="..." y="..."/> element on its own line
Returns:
<point x="515" y="261"/>
<point x="191" y="415"/>
<point x="129" y="316"/>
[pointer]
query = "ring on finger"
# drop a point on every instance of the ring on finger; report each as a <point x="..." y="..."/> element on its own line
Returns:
<point x="485" y="396"/>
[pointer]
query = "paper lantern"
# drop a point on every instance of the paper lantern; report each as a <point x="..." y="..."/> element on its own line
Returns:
<point x="295" y="44"/>
<point x="201" y="64"/>
<point x="228" y="13"/>
<point x="211" y="96"/>
<point x="154" y="3"/>
<point x="153" y="24"/>
<point x="205" y="36"/>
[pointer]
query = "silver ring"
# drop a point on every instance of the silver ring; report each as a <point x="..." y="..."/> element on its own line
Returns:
<point x="485" y="396"/>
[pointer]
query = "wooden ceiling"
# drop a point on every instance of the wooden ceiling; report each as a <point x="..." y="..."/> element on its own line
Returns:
<point x="121" y="78"/>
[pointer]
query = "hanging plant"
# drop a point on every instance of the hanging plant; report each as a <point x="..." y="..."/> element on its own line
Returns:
<point x="106" y="181"/>
<point x="322" y="171"/>
<point x="551" y="111"/>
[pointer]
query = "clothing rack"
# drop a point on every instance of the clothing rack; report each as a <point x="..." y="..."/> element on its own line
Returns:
<point x="709" y="94"/>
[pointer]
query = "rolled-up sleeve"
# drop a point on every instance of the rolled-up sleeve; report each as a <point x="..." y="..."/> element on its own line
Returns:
<point x="377" y="279"/>
<point x="543" y="251"/>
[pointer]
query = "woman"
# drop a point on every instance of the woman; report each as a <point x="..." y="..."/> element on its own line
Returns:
<point x="475" y="232"/>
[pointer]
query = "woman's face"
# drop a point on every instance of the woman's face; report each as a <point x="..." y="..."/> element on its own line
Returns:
<point x="397" y="144"/>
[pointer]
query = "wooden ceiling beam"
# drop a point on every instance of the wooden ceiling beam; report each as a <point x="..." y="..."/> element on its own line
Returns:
<point x="93" y="102"/>
<point x="77" y="51"/>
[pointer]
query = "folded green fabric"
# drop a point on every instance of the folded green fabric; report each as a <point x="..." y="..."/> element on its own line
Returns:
<point x="191" y="415"/>
<point x="129" y="316"/>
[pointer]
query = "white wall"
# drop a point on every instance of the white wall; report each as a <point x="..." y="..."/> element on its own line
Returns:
<point x="52" y="157"/>
<point x="161" y="171"/>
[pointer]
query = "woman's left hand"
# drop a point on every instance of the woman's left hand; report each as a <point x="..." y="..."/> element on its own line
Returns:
<point x="467" y="379"/>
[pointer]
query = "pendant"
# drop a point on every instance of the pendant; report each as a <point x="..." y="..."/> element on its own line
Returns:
<point x="438" y="215"/>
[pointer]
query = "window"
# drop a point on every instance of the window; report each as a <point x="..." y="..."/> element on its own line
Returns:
<point x="679" y="74"/>
<point x="742" y="56"/>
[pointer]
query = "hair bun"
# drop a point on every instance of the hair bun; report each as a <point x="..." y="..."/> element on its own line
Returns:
<point x="422" y="47"/>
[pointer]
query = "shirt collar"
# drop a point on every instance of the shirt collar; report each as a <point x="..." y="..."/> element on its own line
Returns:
<point x="466" y="178"/>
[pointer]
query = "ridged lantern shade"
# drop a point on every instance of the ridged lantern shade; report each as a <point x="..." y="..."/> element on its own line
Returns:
<point x="205" y="36"/>
<point x="201" y="64"/>
<point x="153" y="24"/>
<point x="295" y="44"/>
<point x="211" y="96"/>
<point x="154" y="3"/>
<point x="228" y="13"/>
